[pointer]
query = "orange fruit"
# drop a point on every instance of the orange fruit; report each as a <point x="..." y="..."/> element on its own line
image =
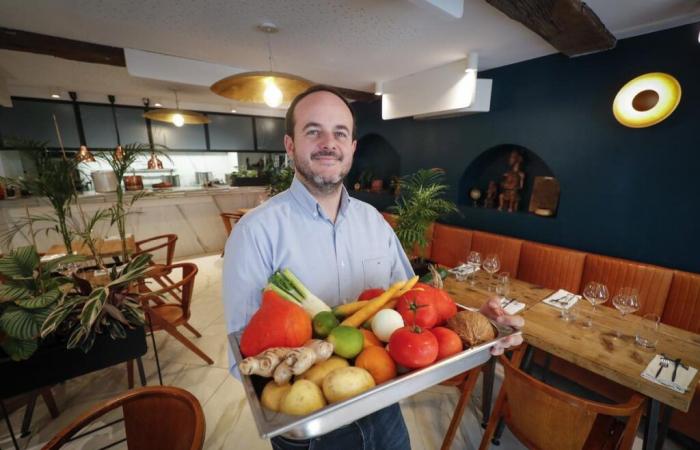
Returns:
<point x="377" y="362"/>
<point x="370" y="338"/>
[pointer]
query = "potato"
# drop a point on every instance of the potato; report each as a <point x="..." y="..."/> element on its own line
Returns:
<point x="346" y="382"/>
<point x="273" y="393"/>
<point x="303" y="398"/>
<point x="319" y="371"/>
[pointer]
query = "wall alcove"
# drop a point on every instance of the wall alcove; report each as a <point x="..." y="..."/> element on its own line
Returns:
<point x="492" y="164"/>
<point x="377" y="156"/>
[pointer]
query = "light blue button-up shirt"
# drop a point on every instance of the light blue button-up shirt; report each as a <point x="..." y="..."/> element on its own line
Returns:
<point x="335" y="261"/>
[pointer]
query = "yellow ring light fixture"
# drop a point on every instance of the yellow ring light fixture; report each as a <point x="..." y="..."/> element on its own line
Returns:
<point x="647" y="100"/>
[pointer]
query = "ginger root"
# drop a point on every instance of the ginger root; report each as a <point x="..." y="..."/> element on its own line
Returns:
<point x="283" y="362"/>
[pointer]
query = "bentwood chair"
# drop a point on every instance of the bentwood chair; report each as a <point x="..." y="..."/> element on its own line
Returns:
<point x="168" y="313"/>
<point x="230" y="220"/>
<point x="155" y="418"/>
<point x="543" y="417"/>
<point x="154" y="244"/>
<point x="465" y="382"/>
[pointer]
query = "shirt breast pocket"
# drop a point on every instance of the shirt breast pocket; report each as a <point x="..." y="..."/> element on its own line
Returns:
<point x="377" y="272"/>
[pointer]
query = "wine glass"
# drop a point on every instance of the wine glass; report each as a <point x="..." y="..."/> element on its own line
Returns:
<point x="626" y="301"/>
<point x="474" y="262"/>
<point x="596" y="294"/>
<point x="503" y="284"/>
<point x="491" y="265"/>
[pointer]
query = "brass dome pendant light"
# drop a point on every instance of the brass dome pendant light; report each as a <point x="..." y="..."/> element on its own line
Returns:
<point x="272" y="88"/>
<point x="177" y="116"/>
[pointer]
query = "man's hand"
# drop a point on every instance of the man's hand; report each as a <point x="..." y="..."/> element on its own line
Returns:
<point x="492" y="309"/>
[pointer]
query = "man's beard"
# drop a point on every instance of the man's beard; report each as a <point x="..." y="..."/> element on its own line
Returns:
<point x="324" y="185"/>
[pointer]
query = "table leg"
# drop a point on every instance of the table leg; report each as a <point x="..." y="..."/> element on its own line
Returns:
<point x="28" y="413"/>
<point x="142" y="373"/>
<point x="155" y="351"/>
<point x="663" y="429"/>
<point x="652" y="425"/>
<point x="9" y="424"/>
<point x="527" y="359"/>
<point x="489" y="375"/>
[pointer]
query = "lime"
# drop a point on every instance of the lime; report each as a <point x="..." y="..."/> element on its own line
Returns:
<point x="324" y="322"/>
<point x="347" y="341"/>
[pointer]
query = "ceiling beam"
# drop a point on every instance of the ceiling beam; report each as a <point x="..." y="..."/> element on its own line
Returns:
<point x="24" y="41"/>
<point x="570" y="26"/>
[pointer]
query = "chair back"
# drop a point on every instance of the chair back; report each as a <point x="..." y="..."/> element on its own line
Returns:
<point x="230" y="220"/>
<point x="543" y="417"/>
<point x="172" y="288"/>
<point x="160" y="417"/>
<point x="153" y="244"/>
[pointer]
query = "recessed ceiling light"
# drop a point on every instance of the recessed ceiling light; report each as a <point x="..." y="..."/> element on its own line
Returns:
<point x="157" y="105"/>
<point x="55" y="96"/>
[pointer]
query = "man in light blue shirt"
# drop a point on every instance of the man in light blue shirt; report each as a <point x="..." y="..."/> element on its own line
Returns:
<point x="336" y="245"/>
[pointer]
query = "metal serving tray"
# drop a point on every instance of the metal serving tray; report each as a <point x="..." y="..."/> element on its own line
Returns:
<point x="336" y="415"/>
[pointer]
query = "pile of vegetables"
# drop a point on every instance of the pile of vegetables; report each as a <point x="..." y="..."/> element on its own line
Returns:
<point x="356" y="345"/>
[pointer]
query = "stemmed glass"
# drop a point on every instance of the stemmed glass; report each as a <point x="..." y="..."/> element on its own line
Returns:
<point x="474" y="262"/>
<point x="491" y="265"/>
<point x="626" y="301"/>
<point x="596" y="294"/>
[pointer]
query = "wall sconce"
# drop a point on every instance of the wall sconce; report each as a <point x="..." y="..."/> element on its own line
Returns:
<point x="647" y="100"/>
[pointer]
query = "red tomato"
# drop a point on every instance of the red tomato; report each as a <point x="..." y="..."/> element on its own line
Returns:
<point x="446" y="307"/>
<point x="424" y="313"/>
<point x="369" y="294"/>
<point x="413" y="347"/>
<point x="449" y="342"/>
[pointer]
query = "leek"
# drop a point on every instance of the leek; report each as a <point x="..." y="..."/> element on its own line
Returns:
<point x="289" y="287"/>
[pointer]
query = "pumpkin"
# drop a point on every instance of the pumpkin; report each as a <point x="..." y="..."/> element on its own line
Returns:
<point x="277" y="323"/>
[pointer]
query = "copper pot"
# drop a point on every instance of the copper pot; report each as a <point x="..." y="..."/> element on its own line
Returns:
<point x="133" y="182"/>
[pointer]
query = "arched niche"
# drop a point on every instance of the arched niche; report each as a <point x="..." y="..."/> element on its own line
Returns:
<point x="377" y="156"/>
<point x="492" y="164"/>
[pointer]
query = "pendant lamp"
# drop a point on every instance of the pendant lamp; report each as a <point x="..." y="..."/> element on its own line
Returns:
<point x="177" y="116"/>
<point x="271" y="88"/>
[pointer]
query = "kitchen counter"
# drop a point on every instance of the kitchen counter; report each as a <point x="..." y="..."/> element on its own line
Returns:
<point x="190" y="212"/>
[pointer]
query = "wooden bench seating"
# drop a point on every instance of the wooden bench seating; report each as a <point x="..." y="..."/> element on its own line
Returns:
<point x="673" y="295"/>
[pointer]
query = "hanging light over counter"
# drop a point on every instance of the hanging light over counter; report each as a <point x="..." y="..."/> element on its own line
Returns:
<point x="177" y="116"/>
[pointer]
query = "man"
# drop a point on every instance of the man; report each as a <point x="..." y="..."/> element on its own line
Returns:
<point x="336" y="245"/>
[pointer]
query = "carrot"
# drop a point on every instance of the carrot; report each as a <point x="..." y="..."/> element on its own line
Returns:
<point x="406" y="287"/>
<point x="373" y="306"/>
<point x="349" y="308"/>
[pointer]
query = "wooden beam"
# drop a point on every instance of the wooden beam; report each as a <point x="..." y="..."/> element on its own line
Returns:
<point x="569" y="25"/>
<point x="24" y="41"/>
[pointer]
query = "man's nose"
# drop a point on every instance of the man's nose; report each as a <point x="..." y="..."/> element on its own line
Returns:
<point x="328" y="141"/>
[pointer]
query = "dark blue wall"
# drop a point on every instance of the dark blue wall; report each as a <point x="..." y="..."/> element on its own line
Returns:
<point x="632" y="193"/>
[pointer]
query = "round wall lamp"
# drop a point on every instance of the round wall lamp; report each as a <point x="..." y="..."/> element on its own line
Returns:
<point x="647" y="100"/>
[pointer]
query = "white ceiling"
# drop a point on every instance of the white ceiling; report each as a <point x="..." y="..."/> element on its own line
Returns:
<point x="345" y="43"/>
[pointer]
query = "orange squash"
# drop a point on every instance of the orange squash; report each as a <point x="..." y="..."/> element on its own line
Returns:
<point x="277" y="323"/>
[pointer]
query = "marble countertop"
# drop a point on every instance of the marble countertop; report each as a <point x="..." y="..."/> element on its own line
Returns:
<point x="175" y="192"/>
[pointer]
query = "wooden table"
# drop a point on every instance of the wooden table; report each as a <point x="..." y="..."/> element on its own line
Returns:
<point x="597" y="348"/>
<point x="106" y="248"/>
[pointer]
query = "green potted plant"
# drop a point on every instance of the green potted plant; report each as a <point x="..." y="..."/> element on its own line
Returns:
<point x="280" y="179"/>
<point x="54" y="180"/>
<point x="120" y="162"/>
<point x="420" y="204"/>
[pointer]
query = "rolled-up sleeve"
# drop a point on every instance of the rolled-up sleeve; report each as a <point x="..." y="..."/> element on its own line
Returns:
<point x="247" y="266"/>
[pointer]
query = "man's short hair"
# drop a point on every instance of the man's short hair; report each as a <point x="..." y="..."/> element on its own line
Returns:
<point x="289" y="121"/>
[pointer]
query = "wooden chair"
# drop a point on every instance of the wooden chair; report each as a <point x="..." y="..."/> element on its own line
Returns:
<point x="543" y="417"/>
<point x="154" y="418"/>
<point x="465" y="382"/>
<point x="230" y="220"/>
<point x="168" y="315"/>
<point x="153" y="244"/>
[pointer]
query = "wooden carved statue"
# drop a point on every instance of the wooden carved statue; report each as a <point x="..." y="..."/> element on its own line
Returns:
<point x="491" y="195"/>
<point x="512" y="184"/>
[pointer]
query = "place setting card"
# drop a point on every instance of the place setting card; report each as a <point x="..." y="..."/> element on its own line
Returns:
<point x="671" y="373"/>
<point x="562" y="299"/>
<point x="511" y="306"/>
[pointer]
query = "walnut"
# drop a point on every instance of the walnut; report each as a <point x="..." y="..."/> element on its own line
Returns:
<point x="473" y="327"/>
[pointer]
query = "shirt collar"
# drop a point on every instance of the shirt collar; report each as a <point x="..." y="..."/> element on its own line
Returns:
<point x="309" y="203"/>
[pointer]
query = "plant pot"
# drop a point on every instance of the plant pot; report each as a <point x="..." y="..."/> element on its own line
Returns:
<point x="53" y="363"/>
<point x="250" y="181"/>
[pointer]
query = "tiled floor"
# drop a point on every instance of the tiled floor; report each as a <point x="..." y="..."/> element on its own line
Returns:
<point x="229" y="423"/>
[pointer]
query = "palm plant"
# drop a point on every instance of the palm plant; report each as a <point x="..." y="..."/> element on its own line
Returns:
<point x="120" y="162"/>
<point x="54" y="181"/>
<point x="419" y="205"/>
<point x="29" y="293"/>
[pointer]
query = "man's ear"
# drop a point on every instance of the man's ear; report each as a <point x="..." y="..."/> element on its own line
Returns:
<point x="289" y="146"/>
